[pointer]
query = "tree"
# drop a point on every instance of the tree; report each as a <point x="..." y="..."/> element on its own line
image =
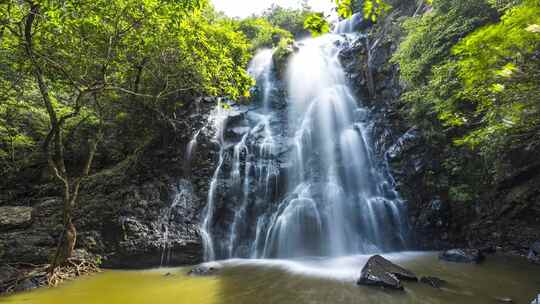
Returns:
<point x="88" y="62"/>
<point x="499" y="66"/>
<point x="318" y="24"/>
<point x="262" y="33"/>
<point x="291" y="20"/>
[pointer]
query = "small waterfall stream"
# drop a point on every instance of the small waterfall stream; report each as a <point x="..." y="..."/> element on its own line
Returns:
<point x="296" y="174"/>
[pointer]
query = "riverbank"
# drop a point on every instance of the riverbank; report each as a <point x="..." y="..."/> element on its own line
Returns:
<point x="22" y="277"/>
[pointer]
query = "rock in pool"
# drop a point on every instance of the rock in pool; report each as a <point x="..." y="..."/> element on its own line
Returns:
<point x="534" y="253"/>
<point x="206" y="269"/>
<point x="462" y="256"/>
<point x="379" y="271"/>
<point x="433" y="282"/>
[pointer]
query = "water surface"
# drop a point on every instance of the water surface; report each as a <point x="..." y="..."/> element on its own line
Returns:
<point x="299" y="281"/>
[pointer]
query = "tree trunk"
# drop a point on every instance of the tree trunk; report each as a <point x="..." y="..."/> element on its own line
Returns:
<point x="66" y="245"/>
<point x="54" y="150"/>
<point x="67" y="242"/>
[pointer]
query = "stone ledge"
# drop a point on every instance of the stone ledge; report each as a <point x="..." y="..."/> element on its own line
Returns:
<point x="12" y="217"/>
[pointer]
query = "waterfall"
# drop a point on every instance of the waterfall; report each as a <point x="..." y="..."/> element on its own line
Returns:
<point x="350" y="25"/>
<point x="218" y="119"/>
<point x="297" y="175"/>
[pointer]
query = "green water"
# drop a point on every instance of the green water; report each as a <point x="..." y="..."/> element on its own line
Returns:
<point x="254" y="282"/>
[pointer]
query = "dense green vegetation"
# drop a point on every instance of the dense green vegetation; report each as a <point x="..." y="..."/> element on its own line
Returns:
<point x="77" y="76"/>
<point x="318" y="24"/>
<point x="291" y="20"/>
<point x="471" y="69"/>
<point x="262" y="33"/>
<point x="103" y="79"/>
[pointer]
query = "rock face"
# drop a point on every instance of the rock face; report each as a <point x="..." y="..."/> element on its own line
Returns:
<point x="379" y="271"/>
<point x="462" y="256"/>
<point x="138" y="214"/>
<point x="15" y="217"/>
<point x="507" y="215"/>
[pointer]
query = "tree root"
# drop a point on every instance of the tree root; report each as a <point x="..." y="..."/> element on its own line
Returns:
<point x="28" y="276"/>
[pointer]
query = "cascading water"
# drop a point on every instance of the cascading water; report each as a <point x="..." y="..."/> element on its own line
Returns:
<point x="350" y="25"/>
<point x="218" y="119"/>
<point x="301" y="179"/>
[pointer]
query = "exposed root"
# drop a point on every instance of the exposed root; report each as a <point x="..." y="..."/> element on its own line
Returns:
<point x="25" y="276"/>
<point x="72" y="269"/>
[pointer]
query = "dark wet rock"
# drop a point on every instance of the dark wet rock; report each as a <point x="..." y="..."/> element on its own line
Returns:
<point x="462" y="256"/>
<point x="379" y="271"/>
<point x="239" y="131"/>
<point x="236" y="125"/>
<point x="206" y="269"/>
<point x="21" y="278"/>
<point x="7" y="273"/>
<point x="486" y="250"/>
<point x="12" y="217"/>
<point x="27" y="284"/>
<point x="28" y="246"/>
<point x="535" y="247"/>
<point x="433" y="281"/>
<point x="534" y="253"/>
<point x="404" y="144"/>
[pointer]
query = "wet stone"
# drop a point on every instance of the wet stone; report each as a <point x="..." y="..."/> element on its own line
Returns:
<point x="534" y="253"/>
<point x="206" y="269"/>
<point x="433" y="281"/>
<point x="462" y="256"/>
<point x="379" y="271"/>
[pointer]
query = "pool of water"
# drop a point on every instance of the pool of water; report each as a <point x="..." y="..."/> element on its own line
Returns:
<point x="299" y="281"/>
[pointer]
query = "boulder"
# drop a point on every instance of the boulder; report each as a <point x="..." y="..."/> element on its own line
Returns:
<point x="379" y="271"/>
<point x="406" y="143"/>
<point x="7" y="273"/>
<point x="487" y="250"/>
<point x="534" y="253"/>
<point x="206" y="269"/>
<point x="15" y="217"/>
<point x="462" y="256"/>
<point x="27" y="284"/>
<point x="433" y="282"/>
